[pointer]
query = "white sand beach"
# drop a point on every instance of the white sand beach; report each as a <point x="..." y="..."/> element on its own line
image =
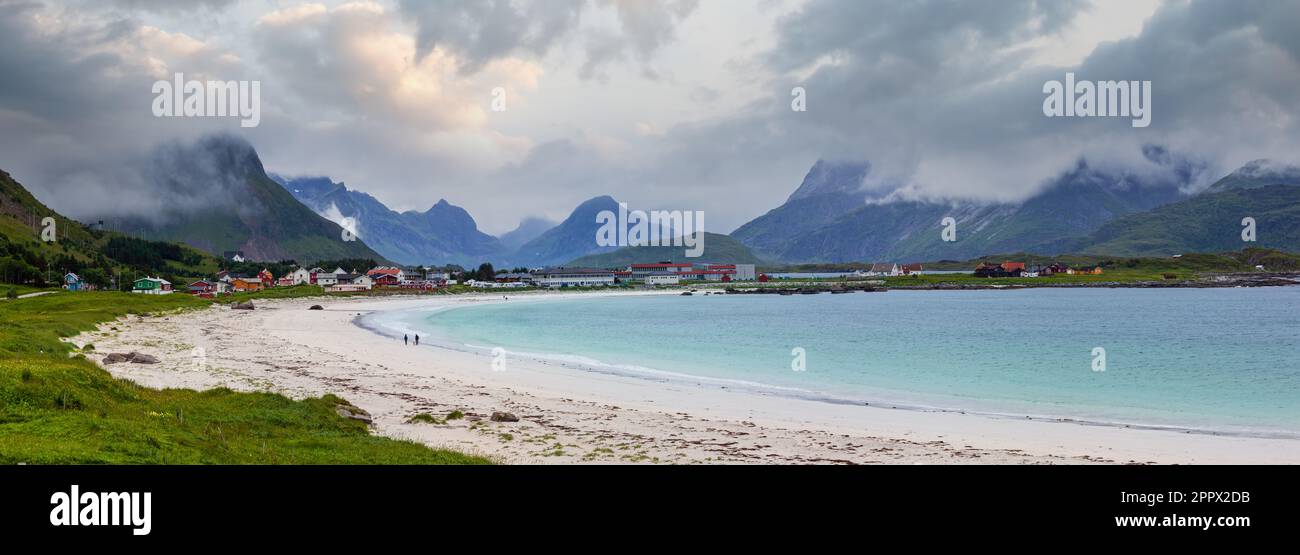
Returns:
<point x="572" y="416"/>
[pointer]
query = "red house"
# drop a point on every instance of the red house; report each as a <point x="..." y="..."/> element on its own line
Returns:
<point x="202" y="288"/>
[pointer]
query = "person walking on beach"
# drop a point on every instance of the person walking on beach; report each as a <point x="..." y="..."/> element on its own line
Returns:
<point x="406" y="339"/>
<point x="417" y="340"/>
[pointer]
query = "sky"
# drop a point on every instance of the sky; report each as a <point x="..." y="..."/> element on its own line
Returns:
<point x="664" y="104"/>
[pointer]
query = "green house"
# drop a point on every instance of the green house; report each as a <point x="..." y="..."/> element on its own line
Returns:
<point x="152" y="286"/>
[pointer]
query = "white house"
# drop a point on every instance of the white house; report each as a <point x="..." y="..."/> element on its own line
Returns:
<point x="364" y="281"/>
<point x="326" y="279"/>
<point x="301" y="276"/>
<point x="884" y="269"/>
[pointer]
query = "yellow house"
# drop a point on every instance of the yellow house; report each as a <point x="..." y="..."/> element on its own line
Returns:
<point x="242" y="284"/>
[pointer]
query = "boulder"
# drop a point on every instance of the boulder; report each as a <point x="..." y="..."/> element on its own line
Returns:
<point x="316" y="307"/>
<point x="246" y="305"/>
<point x="504" y="417"/>
<point x="353" y="413"/>
<point x="114" y="358"/>
<point x="141" y="358"/>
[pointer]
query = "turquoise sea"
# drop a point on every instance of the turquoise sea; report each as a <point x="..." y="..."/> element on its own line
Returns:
<point x="1213" y="360"/>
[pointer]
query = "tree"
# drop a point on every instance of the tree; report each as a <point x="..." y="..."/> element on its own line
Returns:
<point x="485" y="272"/>
<point x="95" y="276"/>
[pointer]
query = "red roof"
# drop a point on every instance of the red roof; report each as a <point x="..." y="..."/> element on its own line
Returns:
<point x="698" y="272"/>
<point x="1008" y="266"/>
<point x="722" y="266"/>
<point x="385" y="271"/>
<point x="662" y="265"/>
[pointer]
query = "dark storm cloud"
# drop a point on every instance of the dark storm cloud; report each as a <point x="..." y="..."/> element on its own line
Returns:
<point x="942" y="97"/>
<point x="484" y="30"/>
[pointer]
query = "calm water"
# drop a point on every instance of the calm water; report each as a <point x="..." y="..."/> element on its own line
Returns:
<point x="1209" y="359"/>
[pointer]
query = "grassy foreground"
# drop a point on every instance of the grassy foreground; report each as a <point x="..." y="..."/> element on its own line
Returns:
<point x="58" y="409"/>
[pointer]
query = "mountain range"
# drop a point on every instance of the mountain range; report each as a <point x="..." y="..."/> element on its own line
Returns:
<point x="830" y="218"/>
<point x="447" y="234"/>
<point x="218" y="197"/>
<point x="444" y="234"/>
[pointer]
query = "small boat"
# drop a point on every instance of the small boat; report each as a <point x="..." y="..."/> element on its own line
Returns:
<point x="686" y="293"/>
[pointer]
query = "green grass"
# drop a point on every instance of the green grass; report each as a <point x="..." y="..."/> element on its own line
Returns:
<point x="59" y="409"/>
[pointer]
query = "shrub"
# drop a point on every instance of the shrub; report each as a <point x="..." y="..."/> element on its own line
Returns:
<point x="455" y="415"/>
<point x="425" y="418"/>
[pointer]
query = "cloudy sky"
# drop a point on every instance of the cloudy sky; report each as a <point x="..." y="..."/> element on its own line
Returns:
<point x="671" y="104"/>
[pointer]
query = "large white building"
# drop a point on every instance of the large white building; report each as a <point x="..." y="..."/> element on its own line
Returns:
<point x="663" y="279"/>
<point x="573" y="277"/>
<point x="745" y="272"/>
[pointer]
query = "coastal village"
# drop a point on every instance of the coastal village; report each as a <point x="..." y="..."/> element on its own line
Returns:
<point x="663" y="273"/>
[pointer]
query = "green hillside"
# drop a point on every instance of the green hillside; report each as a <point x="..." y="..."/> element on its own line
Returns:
<point x="1209" y="222"/>
<point x="97" y="256"/>
<point x="718" y="249"/>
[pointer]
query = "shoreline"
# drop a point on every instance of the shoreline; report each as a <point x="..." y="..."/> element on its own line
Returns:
<point x="567" y="415"/>
<point x="369" y="322"/>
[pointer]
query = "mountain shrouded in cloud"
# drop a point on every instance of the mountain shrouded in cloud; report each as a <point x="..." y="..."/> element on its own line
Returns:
<point x="830" y="218"/>
<point x="215" y="195"/>
<point x="1211" y="221"/>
